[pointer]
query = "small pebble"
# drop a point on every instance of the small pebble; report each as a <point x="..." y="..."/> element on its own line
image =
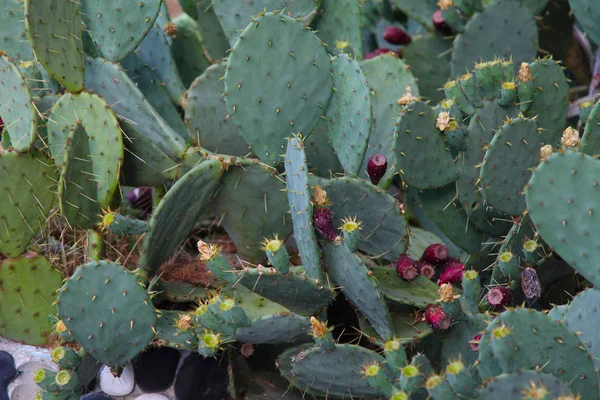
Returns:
<point x="152" y="396"/>
<point x="120" y="386"/>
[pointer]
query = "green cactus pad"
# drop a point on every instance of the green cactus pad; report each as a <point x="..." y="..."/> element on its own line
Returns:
<point x="550" y="99"/>
<point x="542" y="341"/>
<point x="506" y="167"/>
<point x="510" y="32"/>
<point x="294" y="290"/>
<point x="14" y="40"/>
<point x="352" y="275"/>
<point x="108" y="312"/>
<point x="275" y="329"/>
<point x="18" y="112"/>
<point x="338" y="24"/>
<point x="590" y="140"/>
<point x="419" y="292"/>
<point x="251" y="205"/>
<point x="116" y="27"/>
<point x="215" y="42"/>
<point x="429" y="59"/>
<point x="182" y="292"/>
<point x="580" y="318"/>
<point x="456" y="344"/>
<point x="77" y="184"/>
<point x="167" y="333"/>
<point x="587" y="13"/>
<point x="156" y="94"/>
<point x="254" y="305"/>
<point x="384" y="230"/>
<point x="336" y="372"/>
<point x="505" y="386"/>
<point x="206" y="114"/>
<point x="438" y="209"/>
<point x="347" y="121"/>
<point x="561" y="199"/>
<point x="28" y="286"/>
<point x="54" y="30"/>
<point x="234" y="23"/>
<point x="482" y="127"/>
<point x="295" y="92"/>
<point x="118" y="224"/>
<point x="187" y="49"/>
<point x="301" y="208"/>
<point x="154" y="50"/>
<point x="28" y="189"/>
<point x="388" y="78"/>
<point x="178" y="212"/>
<point x="406" y="327"/>
<point x="96" y="148"/>
<point x="421" y="11"/>
<point x="487" y="364"/>
<point x="153" y="148"/>
<point x="422" y="158"/>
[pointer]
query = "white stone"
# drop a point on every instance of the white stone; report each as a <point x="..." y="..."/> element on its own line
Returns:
<point x="24" y="388"/>
<point x="120" y="386"/>
<point x="152" y="396"/>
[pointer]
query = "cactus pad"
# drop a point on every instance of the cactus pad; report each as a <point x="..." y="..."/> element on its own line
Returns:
<point x="580" y="318"/>
<point x="347" y="121"/>
<point x="422" y="158"/>
<point x="251" y="205"/>
<point x="510" y="32"/>
<point x="419" y="292"/>
<point x="178" y="212"/>
<point x="168" y="334"/>
<point x="590" y="140"/>
<point x="54" y="30"/>
<point x="505" y="386"/>
<point x="301" y="207"/>
<point x="274" y="329"/>
<point x="116" y="27"/>
<point x="14" y="41"/>
<point x="384" y="229"/>
<point x="507" y="164"/>
<point x="338" y="24"/>
<point x="206" y="114"/>
<point x="108" y="312"/>
<point x="28" y="187"/>
<point x="352" y="275"/>
<point x="187" y="49"/>
<point x="587" y="13"/>
<point x="18" y="112"/>
<point x="561" y="198"/>
<point x="293" y="95"/>
<point x="388" y="79"/>
<point x="524" y="339"/>
<point x="336" y="372"/>
<point x="550" y="99"/>
<point x="28" y="286"/>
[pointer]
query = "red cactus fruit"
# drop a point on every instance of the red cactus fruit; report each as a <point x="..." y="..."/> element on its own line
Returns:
<point x="406" y="268"/>
<point x="499" y="296"/>
<point x="474" y="343"/>
<point x="426" y="269"/>
<point x="439" y="23"/>
<point x="376" y="168"/>
<point x="435" y="254"/>
<point x="530" y="283"/>
<point x="452" y="262"/>
<point x="323" y="222"/>
<point x="437" y="318"/>
<point x="377" y="52"/>
<point x="396" y="35"/>
<point x="451" y="275"/>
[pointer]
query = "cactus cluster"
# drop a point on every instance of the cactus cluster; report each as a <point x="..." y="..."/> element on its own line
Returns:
<point x="402" y="202"/>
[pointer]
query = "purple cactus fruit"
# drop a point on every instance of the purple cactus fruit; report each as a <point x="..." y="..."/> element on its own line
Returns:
<point x="435" y="254"/>
<point x="439" y="23"/>
<point x="323" y="222"/>
<point x="396" y="35"/>
<point x="437" y="318"/>
<point x="141" y="199"/>
<point x="530" y="283"/>
<point x="499" y="296"/>
<point x="406" y="268"/>
<point x="376" y="168"/>
<point x="451" y="275"/>
<point x="474" y="343"/>
<point x="452" y="262"/>
<point x="426" y="269"/>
